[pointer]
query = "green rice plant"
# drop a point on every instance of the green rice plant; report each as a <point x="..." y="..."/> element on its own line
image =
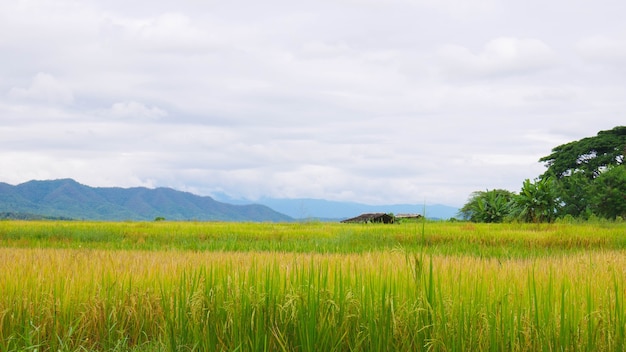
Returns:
<point x="468" y="287"/>
<point x="438" y="238"/>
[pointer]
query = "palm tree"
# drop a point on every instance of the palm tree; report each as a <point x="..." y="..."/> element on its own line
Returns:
<point x="488" y="206"/>
<point x="537" y="201"/>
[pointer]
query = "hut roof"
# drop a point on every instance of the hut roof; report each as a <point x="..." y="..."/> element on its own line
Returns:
<point x="409" y="216"/>
<point x="371" y="217"/>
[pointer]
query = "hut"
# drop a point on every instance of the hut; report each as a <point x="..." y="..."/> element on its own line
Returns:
<point x="409" y="216"/>
<point x="371" y="217"/>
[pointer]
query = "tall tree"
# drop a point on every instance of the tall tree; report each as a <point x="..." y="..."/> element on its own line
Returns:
<point x="576" y="195"/>
<point x="609" y="193"/>
<point x="588" y="156"/>
<point x="587" y="182"/>
<point x="583" y="178"/>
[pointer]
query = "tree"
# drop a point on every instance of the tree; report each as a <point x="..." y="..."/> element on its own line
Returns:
<point x="609" y="193"/>
<point x="585" y="170"/>
<point x="575" y="193"/>
<point x="583" y="178"/>
<point x="537" y="201"/>
<point x="588" y="156"/>
<point x="487" y="206"/>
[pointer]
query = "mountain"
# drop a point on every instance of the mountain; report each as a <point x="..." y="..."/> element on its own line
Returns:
<point x="67" y="198"/>
<point x="303" y="208"/>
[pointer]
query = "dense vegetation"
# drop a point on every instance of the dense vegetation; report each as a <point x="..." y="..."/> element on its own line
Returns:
<point x="585" y="179"/>
<point x="431" y="286"/>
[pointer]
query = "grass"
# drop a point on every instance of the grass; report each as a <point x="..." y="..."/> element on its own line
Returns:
<point x="89" y="286"/>
<point x="486" y="240"/>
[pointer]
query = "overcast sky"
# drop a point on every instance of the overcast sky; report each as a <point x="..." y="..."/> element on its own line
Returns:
<point x="374" y="101"/>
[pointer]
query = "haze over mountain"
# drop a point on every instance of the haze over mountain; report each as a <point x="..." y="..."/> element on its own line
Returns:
<point x="70" y="199"/>
<point x="302" y="208"/>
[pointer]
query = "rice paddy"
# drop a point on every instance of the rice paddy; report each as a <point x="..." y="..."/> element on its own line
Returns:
<point x="178" y="286"/>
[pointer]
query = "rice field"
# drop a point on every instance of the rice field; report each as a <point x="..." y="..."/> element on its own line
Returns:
<point x="185" y="286"/>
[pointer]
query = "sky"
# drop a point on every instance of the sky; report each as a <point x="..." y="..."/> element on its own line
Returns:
<point x="371" y="101"/>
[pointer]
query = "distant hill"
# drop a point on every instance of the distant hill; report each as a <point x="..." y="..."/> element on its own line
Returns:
<point x="26" y="216"/>
<point x="67" y="198"/>
<point x="303" y="208"/>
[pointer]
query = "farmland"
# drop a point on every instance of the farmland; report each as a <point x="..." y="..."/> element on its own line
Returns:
<point x="181" y="286"/>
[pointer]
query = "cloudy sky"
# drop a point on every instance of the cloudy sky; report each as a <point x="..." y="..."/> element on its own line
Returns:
<point x="375" y="101"/>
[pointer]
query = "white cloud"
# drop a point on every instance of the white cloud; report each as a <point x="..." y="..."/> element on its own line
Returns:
<point x="500" y="57"/>
<point x="461" y="8"/>
<point x="44" y="88"/>
<point x="454" y="8"/>
<point x="321" y="49"/>
<point x="378" y="101"/>
<point x="167" y="33"/>
<point x="135" y="110"/>
<point x="603" y="49"/>
<point x="112" y="170"/>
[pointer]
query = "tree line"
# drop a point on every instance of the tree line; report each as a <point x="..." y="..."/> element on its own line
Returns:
<point x="584" y="179"/>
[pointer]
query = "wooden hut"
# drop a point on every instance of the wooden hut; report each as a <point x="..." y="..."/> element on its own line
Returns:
<point x="371" y="217"/>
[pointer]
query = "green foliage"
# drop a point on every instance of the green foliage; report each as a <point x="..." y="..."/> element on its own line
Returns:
<point x="585" y="179"/>
<point x="590" y="178"/>
<point x="575" y="194"/>
<point x="488" y="206"/>
<point x="537" y="201"/>
<point x="588" y="156"/>
<point x="609" y="193"/>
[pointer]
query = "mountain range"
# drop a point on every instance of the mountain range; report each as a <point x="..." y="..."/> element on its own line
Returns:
<point x="66" y="198"/>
